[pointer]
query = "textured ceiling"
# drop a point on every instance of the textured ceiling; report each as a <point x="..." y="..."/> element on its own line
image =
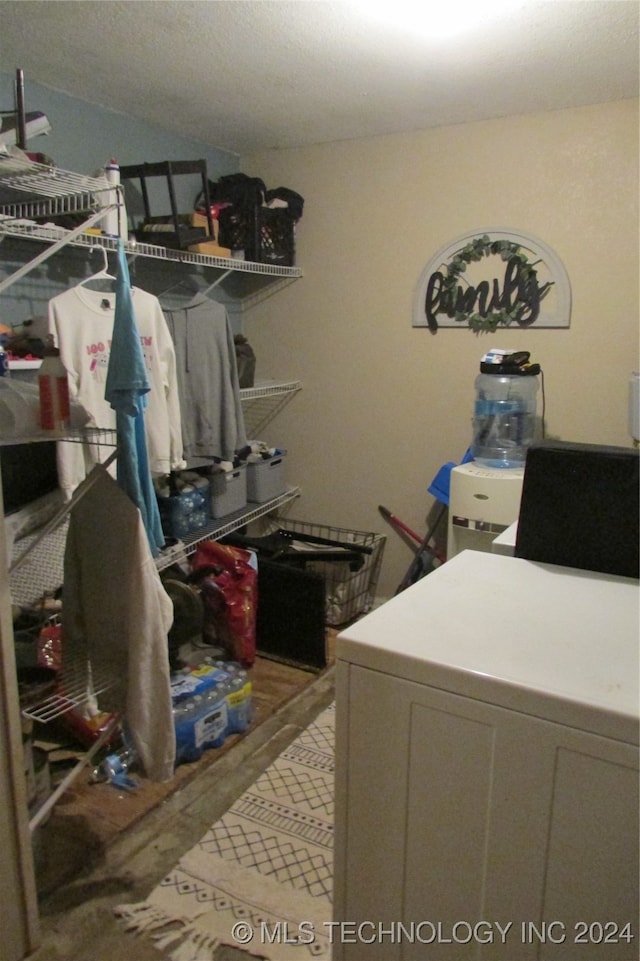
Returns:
<point x="243" y="75"/>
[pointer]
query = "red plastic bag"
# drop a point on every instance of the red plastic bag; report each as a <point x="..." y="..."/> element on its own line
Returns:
<point x="49" y="646"/>
<point x="228" y="582"/>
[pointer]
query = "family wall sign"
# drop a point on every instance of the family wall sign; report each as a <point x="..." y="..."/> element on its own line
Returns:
<point x="491" y="279"/>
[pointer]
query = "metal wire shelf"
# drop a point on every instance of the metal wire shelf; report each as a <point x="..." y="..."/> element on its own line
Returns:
<point x="263" y="402"/>
<point x="98" y="436"/>
<point x="270" y="389"/>
<point x="77" y="684"/>
<point x="16" y="224"/>
<point x="32" y="190"/>
<point x="223" y="526"/>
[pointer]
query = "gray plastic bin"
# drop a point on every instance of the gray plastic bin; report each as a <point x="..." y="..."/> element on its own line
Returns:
<point x="228" y="491"/>
<point x="265" y="478"/>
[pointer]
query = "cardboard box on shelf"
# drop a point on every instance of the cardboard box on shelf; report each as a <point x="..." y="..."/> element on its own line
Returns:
<point x="200" y="220"/>
<point x="210" y="248"/>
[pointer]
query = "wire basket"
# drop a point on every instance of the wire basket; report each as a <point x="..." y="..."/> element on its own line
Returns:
<point x="348" y="593"/>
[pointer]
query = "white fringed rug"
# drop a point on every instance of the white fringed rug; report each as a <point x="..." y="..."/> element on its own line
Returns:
<point x="261" y="878"/>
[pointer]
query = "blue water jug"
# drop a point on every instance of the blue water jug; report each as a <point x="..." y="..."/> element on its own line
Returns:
<point x="504" y="419"/>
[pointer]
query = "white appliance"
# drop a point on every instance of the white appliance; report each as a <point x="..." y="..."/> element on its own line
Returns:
<point x="505" y="543"/>
<point x="483" y="502"/>
<point x="487" y="768"/>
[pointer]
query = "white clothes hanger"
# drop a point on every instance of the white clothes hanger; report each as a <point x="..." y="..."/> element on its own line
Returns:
<point x="103" y="281"/>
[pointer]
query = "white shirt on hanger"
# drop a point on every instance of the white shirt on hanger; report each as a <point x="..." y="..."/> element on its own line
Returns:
<point x="81" y="322"/>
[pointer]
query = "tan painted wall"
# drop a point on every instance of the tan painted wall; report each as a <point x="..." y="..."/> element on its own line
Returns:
<point x="385" y="404"/>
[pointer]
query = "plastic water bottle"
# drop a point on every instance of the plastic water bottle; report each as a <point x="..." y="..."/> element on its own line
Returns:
<point x="504" y="420"/>
<point x="238" y="695"/>
<point x="238" y="698"/>
<point x="115" y="223"/>
<point x="184" y="714"/>
<point x="115" y="768"/>
<point x="212" y="724"/>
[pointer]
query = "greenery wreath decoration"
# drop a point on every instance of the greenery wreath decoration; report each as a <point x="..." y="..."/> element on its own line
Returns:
<point x="474" y="251"/>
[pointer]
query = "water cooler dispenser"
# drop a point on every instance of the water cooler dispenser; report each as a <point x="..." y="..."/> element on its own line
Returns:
<point x="483" y="502"/>
<point x="484" y="494"/>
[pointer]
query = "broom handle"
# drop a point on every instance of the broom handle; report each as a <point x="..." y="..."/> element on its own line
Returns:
<point x="386" y="513"/>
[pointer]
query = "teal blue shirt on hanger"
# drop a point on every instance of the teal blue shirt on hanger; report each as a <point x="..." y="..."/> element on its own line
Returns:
<point x="126" y="387"/>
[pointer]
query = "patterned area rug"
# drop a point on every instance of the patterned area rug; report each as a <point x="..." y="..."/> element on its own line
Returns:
<point x="261" y="878"/>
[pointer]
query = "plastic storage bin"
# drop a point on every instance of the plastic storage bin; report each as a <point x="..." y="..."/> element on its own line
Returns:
<point x="228" y="491"/>
<point x="265" y="478"/>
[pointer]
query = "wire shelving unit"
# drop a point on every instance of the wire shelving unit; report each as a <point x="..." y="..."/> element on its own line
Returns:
<point x="30" y="193"/>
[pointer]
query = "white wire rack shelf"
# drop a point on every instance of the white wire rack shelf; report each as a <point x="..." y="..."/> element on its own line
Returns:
<point x="14" y="225"/>
<point x="77" y="688"/>
<point x="30" y="190"/>
<point x="223" y="526"/>
<point x="264" y="401"/>
<point x="270" y="389"/>
<point x="76" y="684"/>
<point x="85" y="435"/>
